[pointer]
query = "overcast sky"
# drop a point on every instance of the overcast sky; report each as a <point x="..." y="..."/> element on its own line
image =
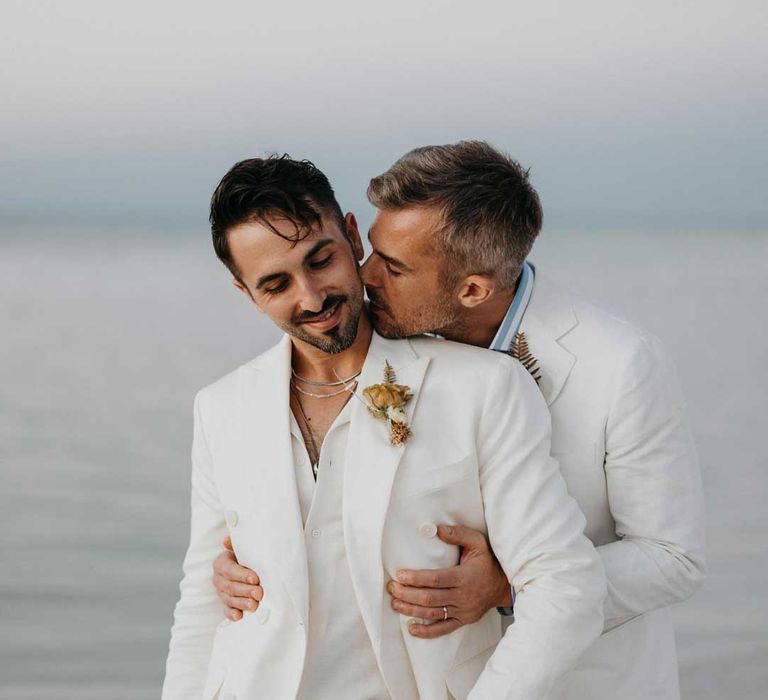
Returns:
<point x="630" y="114"/>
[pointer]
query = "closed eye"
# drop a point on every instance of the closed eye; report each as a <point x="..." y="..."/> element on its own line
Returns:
<point x="318" y="264"/>
<point x="277" y="288"/>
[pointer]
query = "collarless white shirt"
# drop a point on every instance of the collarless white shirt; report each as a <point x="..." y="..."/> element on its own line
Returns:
<point x="340" y="663"/>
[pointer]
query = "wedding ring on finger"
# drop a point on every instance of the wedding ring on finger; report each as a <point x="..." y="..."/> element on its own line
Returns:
<point x="445" y="613"/>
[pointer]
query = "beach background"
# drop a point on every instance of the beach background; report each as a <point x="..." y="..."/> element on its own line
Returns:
<point x="645" y="131"/>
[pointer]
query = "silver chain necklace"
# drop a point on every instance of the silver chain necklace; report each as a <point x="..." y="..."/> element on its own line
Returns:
<point x="323" y="396"/>
<point x="314" y="383"/>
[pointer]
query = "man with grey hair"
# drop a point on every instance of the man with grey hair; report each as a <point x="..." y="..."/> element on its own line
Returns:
<point x="451" y="237"/>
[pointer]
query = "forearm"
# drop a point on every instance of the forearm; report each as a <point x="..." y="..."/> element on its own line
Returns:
<point x="654" y="490"/>
<point x="644" y="575"/>
<point x="552" y="629"/>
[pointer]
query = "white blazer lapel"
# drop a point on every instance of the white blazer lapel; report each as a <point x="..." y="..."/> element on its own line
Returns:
<point x="371" y="464"/>
<point x="266" y="465"/>
<point x="547" y="319"/>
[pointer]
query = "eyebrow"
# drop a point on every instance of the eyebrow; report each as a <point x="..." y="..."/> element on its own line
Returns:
<point x="388" y="259"/>
<point x="314" y="250"/>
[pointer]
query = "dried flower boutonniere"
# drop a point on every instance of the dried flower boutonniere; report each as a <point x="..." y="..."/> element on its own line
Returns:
<point x="387" y="401"/>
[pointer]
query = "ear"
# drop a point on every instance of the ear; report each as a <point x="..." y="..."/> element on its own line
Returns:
<point x="239" y="285"/>
<point x="353" y="234"/>
<point x="475" y="290"/>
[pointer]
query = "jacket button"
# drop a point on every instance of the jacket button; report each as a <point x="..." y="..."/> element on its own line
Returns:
<point x="231" y="517"/>
<point x="428" y="529"/>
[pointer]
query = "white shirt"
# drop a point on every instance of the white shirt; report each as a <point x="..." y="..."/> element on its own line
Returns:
<point x="340" y="663"/>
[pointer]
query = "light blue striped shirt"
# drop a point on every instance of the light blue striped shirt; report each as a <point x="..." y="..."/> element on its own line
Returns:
<point x="505" y="336"/>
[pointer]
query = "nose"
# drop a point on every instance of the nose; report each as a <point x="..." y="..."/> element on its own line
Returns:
<point x="312" y="295"/>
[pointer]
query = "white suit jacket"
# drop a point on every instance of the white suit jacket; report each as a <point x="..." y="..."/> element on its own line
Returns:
<point x="620" y="436"/>
<point x="479" y="455"/>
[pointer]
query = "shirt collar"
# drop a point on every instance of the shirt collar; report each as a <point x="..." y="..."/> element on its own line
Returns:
<point x="505" y="336"/>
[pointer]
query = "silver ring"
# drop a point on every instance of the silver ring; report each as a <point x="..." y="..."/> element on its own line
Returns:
<point x="445" y="613"/>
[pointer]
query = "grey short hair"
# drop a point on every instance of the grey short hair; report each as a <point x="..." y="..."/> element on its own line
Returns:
<point x="491" y="214"/>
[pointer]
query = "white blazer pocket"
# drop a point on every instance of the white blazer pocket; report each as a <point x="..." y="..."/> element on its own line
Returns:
<point x="418" y="479"/>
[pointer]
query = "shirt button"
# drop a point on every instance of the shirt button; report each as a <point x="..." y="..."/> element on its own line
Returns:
<point x="316" y="533"/>
<point x="300" y="461"/>
<point x="428" y="529"/>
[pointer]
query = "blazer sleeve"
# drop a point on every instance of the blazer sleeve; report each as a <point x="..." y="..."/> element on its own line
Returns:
<point x="654" y="489"/>
<point x="536" y="531"/>
<point x="199" y="609"/>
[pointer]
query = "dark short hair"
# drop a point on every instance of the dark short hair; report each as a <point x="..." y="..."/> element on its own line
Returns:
<point x="259" y="188"/>
<point x="491" y="214"/>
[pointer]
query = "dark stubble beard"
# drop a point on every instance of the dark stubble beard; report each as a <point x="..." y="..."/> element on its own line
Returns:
<point x="340" y="337"/>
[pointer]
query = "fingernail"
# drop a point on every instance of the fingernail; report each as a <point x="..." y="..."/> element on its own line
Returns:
<point x="255" y="594"/>
<point x="401" y="576"/>
<point x="251" y="605"/>
<point x="447" y="529"/>
<point x="251" y="580"/>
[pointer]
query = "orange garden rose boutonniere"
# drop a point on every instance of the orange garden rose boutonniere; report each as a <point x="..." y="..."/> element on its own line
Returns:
<point x="387" y="401"/>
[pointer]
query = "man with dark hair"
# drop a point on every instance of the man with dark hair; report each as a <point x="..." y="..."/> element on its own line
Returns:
<point x="260" y="186"/>
<point x="450" y="240"/>
<point x="328" y="497"/>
